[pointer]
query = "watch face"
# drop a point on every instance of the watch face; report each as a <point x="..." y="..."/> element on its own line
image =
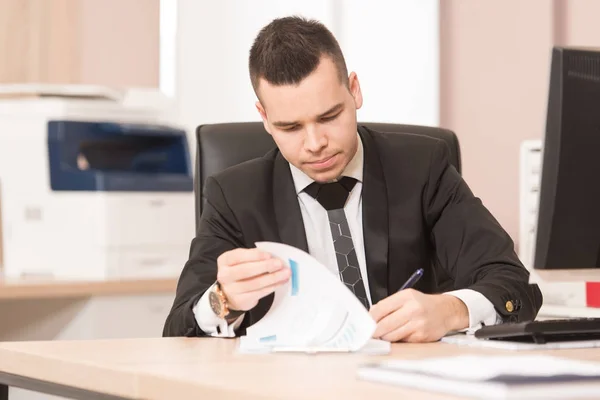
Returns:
<point x="215" y="303"/>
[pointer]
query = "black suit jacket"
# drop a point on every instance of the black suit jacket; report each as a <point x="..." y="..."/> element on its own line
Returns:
<point x="417" y="212"/>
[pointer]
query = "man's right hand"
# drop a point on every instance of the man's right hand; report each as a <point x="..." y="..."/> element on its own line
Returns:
<point x="248" y="275"/>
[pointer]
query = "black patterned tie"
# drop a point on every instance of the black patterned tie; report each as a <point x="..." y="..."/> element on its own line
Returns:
<point x="333" y="196"/>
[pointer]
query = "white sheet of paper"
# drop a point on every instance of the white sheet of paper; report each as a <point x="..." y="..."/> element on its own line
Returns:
<point x="502" y="377"/>
<point x="486" y="367"/>
<point x="313" y="312"/>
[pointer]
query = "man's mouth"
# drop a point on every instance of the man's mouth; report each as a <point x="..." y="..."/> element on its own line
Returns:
<point x="323" y="162"/>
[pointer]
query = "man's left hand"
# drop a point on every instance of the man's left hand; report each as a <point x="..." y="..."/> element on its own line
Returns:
<point x="412" y="316"/>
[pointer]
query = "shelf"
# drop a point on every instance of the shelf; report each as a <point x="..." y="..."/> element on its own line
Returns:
<point x="47" y="289"/>
<point x="565" y="275"/>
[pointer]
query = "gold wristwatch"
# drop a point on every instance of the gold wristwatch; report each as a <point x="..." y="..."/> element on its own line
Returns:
<point x="219" y="305"/>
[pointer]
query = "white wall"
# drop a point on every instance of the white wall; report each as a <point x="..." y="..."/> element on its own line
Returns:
<point x="214" y="38"/>
<point x="392" y="45"/>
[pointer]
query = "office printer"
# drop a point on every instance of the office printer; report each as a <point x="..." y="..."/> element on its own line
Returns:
<point x="91" y="188"/>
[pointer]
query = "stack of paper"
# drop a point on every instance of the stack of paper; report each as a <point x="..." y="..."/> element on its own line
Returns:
<point x="312" y="312"/>
<point x="493" y="377"/>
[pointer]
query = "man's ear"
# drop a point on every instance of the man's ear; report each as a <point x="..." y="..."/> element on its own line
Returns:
<point x="354" y="87"/>
<point x="263" y="115"/>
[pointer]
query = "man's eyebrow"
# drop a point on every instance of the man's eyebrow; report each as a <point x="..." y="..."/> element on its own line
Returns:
<point x="282" y="124"/>
<point x="333" y="109"/>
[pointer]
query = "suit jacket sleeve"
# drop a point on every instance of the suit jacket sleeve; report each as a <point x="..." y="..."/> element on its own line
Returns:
<point x="217" y="232"/>
<point x="471" y="245"/>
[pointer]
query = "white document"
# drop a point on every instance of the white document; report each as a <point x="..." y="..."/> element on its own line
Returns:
<point x="312" y="312"/>
<point x="471" y="341"/>
<point x="492" y="377"/>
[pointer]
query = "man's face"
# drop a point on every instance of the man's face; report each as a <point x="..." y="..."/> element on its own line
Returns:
<point x="314" y="123"/>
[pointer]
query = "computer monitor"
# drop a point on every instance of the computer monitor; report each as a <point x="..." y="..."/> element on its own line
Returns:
<point x="568" y="227"/>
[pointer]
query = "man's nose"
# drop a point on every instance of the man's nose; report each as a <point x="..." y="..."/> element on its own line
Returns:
<point x="315" y="139"/>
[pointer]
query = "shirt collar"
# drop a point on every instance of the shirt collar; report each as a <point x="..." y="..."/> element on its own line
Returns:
<point x="354" y="169"/>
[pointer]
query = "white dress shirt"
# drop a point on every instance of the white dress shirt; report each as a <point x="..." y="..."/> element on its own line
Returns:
<point x="320" y="245"/>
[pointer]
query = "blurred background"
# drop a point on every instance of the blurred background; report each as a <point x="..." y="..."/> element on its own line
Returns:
<point x="163" y="67"/>
<point x="480" y="68"/>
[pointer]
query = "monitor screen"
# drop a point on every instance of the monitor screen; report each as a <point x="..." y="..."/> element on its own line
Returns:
<point x="568" y="227"/>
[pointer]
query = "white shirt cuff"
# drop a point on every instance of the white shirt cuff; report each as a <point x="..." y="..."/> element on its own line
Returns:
<point x="481" y="310"/>
<point x="209" y="322"/>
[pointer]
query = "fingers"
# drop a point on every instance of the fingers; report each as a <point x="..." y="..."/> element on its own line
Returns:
<point x="238" y="256"/>
<point x="247" y="275"/>
<point x="419" y="336"/>
<point x="254" y="296"/>
<point x="391" y="304"/>
<point x="401" y="326"/>
<point x="412" y="332"/>
<point x="245" y="294"/>
<point x="391" y="322"/>
<point x="403" y="317"/>
<point x="260" y="282"/>
<point x="247" y="270"/>
<point x="401" y="333"/>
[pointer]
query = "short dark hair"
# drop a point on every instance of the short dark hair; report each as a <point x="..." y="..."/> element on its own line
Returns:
<point x="289" y="49"/>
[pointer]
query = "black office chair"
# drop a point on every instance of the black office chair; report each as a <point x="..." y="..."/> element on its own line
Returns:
<point x="215" y="152"/>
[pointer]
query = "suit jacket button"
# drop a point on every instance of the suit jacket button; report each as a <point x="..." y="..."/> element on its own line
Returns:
<point x="510" y="307"/>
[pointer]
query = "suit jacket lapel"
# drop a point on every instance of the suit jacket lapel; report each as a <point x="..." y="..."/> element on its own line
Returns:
<point x="289" y="225"/>
<point x="375" y="219"/>
<point x="287" y="209"/>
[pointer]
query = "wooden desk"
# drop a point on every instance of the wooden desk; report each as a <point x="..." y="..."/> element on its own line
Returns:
<point x="47" y="288"/>
<point x="180" y="368"/>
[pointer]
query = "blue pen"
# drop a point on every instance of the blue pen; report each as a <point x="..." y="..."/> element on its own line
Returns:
<point x="414" y="278"/>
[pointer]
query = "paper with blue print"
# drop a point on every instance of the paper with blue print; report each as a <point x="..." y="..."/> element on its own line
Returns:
<point x="312" y="312"/>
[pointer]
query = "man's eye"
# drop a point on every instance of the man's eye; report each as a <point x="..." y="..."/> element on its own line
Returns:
<point x="329" y="118"/>
<point x="291" y="128"/>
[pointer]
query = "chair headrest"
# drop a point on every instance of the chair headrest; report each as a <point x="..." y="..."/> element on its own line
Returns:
<point x="220" y="146"/>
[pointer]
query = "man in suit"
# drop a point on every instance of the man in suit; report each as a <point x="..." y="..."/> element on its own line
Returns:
<point x="372" y="207"/>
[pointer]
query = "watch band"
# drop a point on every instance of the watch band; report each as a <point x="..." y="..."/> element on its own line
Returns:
<point x="226" y="313"/>
<point x="233" y="315"/>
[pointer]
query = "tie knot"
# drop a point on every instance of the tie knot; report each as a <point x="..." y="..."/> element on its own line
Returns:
<point x="331" y="196"/>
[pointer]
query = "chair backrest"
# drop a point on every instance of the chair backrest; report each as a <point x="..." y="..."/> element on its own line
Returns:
<point x="215" y="151"/>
